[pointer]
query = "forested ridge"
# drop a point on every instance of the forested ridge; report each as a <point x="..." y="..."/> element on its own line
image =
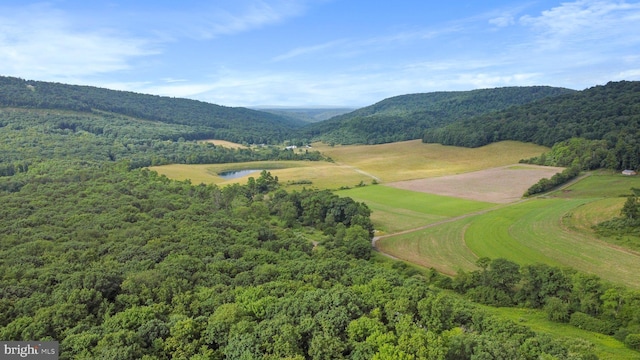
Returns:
<point x="593" y="128"/>
<point x="406" y="117"/>
<point x="204" y="120"/>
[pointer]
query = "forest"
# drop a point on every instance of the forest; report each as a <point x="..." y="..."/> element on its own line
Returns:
<point x="114" y="261"/>
<point x="406" y="117"/>
<point x="199" y="120"/>
<point x="594" y="128"/>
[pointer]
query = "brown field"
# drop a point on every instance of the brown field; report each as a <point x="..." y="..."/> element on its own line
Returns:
<point x="224" y="143"/>
<point x="408" y="160"/>
<point x="502" y="185"/>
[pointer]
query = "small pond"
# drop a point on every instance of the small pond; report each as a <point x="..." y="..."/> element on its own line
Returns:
<point x="234" y="174"/>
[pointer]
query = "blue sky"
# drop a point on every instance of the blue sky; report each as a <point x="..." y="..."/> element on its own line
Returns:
<point x="318" y="52"/>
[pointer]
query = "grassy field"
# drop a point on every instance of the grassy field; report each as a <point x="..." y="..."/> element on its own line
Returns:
<point x="322" y="174"/>
<point x="605" y="347"/>
<point x="554" y="229"/>
<point x="409" y="160"/>
<point x="355" y="164"/>
<point x="395" y="210"/>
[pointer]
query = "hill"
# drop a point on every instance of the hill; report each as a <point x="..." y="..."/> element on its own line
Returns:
<point x="202" y="120"/>
<point x="406" y="117"/>
<point x="606" y="117"/>
<point x="307" y="115"/>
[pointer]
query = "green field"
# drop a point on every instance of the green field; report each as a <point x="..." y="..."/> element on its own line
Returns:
<point x="606" y="347"/>
<point x="554" y="229"/>
<point x="396" y="210"/>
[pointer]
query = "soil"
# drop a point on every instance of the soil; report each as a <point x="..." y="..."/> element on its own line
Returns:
<point x="499" y="185"/>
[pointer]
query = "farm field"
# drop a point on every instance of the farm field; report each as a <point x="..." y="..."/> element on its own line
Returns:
<point x="399" y="161"/>
<point x="408" y="160"/>
<point x="395" y="210"/>
<point x="547" y="229"/>
<point x="323" y="175"/>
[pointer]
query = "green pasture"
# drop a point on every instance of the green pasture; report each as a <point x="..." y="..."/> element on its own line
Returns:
<point x="550" y="229"/>
<point x="395" y="210"/>
<point x="606" y="347"/>
<point x="441" y="247"/>
<point x="602" y="184"/>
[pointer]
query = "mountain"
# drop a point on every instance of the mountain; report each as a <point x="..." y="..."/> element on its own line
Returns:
<point x="310" y="115"/>
<point x="606" y="118"/>
<point x="595" y="113"/>
<point x="406" y="117"/>
<point x="203" y="119"/>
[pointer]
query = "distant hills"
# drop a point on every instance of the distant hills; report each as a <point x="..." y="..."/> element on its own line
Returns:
<point x="606" y="118"/>
<point x="405" y="117"/>
<point x="309" y="115"/>
<point x="203" y="120"/>
<point x="600" y="112"/>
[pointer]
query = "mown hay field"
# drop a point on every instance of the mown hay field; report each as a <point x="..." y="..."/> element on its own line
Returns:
<point x="395" y="210"/>
<point x="408" y="160"/>
<point x="316" y="174"/>
<point x="365" y="164"/>
<point x="554" y="229"/>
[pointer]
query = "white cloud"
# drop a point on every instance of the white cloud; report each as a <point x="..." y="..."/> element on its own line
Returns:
<point x="231" y="17"/>
<point x="502" y="21"/>
<point x="586" y="22"/>
<point x="41" y="43"/>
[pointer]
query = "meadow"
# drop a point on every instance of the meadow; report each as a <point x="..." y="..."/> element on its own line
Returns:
<point x="450" y="232"/>
<point x="554" y="229"/>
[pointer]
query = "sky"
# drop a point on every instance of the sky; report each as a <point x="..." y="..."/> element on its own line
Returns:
<point x="316" y="53"/>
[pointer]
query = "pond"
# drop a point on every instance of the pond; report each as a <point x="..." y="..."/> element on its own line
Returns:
<point x="234" y="174"/>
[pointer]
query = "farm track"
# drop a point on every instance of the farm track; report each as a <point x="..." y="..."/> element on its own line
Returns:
<point x="375" y="239"/>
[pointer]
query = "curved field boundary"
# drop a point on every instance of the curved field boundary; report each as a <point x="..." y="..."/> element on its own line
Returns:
<point x="532" y="232"/>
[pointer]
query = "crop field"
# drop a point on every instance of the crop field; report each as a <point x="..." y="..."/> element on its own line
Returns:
<point x="321" y="174"/>
<point x="503" y="184"/>
<point x="224" y="143"/>
<point x="355" y="164"/>
<point x="395" y="210"/>
<point x="555" y="230"/>
<point x="408" y="160"/>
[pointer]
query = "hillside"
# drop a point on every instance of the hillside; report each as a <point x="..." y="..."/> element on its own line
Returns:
<point x="406" y="117"/>
<point x="203" y="120"/>
<point x="310" y="115"/>
<point x="609" y="114"/>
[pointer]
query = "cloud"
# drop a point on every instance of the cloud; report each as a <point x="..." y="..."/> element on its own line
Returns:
<point x="41" y="42"/>
<point x="232" y="17"/>
<point x="585" y="22"/>
<point x="502" y="21"/>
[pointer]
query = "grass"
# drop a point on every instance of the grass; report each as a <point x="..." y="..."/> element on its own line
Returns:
<point x="440" y="247"/>
<point x="413" y="159"/>
<point x="322" y="174"/>
<point x="554" y="229"/>
<point x="395" y="210"/>
<point x="606" y="347"/>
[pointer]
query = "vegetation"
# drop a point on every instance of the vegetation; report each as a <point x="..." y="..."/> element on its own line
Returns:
<point x="115" y="261"/>
<point x="560" y="178"/>
<point x="406" y="117"/>
<point x="200" y="120"/>
<point x="605" y="118"/>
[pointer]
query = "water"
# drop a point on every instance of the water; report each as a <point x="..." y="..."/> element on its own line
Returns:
<point x="234" y="174"/>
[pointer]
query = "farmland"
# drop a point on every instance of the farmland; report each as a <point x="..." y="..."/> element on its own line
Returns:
<point x="444" y="207"/>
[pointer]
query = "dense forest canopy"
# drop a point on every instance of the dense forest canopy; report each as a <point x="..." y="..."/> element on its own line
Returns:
<point x="605" y="119"/>
<point x="405" y="117"/>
